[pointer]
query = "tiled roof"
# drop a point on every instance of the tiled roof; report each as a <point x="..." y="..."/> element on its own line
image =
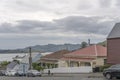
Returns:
<point x="55" y="55"/>
<point x="115" y="32"/>
<point x="94" y="50"/>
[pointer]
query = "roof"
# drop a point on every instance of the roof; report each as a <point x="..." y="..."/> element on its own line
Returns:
<point x="77" y="59"/>
<point x="12" y="65"/>
<point x="35" y="57"/>
<point x="94" y="50"/>
<point x="115" y="32"/>
<point x="56" y="55"/>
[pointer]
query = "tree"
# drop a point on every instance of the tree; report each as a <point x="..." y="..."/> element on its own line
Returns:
<point x="104" y="43"/>
<point x="83" y="44"/>
<point x="4" y="64"/>
<point x="37" y="67"/>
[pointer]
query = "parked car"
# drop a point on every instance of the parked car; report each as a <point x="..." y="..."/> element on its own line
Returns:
<point x="33" y="73"/>
<point x="2" y="72"/>
<point x="14" y="73"/>
<point x="113" y="71"/>
<point x="10" y="73"/>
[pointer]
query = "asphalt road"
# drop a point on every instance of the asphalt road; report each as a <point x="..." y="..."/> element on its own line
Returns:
<point x="49" y="78"/>
<point x="91" y="76"/>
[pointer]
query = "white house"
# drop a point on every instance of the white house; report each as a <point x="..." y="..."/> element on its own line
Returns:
<point x="23" y="64"/>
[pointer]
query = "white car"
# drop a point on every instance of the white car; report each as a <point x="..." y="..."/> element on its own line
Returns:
<point x="10" y="73"/>
<point x="33" y="73"/>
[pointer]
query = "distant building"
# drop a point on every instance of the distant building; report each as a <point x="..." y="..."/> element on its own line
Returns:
<point x="113" y="45"/>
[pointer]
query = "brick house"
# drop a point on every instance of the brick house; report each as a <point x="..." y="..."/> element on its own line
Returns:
<point x="113" y="45"/>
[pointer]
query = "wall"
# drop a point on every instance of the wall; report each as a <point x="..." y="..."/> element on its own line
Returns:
<point x="100" y="61"/>
<point x="62" y="63"/>
<point x="113" y="51"/>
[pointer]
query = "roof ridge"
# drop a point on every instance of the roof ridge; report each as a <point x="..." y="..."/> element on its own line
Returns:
<point x="96" y="50"/>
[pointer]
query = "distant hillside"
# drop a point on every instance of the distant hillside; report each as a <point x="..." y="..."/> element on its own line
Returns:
<point x="45" y="48"/>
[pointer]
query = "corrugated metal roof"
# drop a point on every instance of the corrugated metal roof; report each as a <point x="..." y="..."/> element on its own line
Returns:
<point x="115" y="32"/>
<point x="56" y="55"/>
<point x="12" y="65"/>
<point x="35" y="57"/>
<point x="94" y="50"/>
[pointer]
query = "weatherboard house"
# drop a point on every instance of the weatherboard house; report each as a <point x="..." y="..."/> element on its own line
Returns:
<point x="94" y="56"/>
<point x="113" y="45"/>
<point x="23" y="64"/>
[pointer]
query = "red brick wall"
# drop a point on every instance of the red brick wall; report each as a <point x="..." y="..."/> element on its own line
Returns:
<point x="113" y="51"/>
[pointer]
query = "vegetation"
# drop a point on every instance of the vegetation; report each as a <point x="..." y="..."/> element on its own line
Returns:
<point x="4" y="64"/>
<point x="104" y="43"/>
<point x="84" y="44"/>
<point x="104" y="67"/>
<point x="37" y="67"/>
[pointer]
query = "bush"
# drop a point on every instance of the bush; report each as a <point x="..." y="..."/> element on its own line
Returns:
<point x="104" y="67"/>
<point x="37" y="67"/>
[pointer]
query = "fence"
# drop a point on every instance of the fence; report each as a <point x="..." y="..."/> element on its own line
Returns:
<point x="70" y="70"/>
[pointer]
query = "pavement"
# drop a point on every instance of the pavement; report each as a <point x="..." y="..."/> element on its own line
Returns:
<point x="87" y="75"/>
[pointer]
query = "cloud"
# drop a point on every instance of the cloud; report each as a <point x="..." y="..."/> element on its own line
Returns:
<point x="71" y="24"/>
<point x="71" y="29"/>
<point x="105" y="3"/>
<point x="80" y="24"/>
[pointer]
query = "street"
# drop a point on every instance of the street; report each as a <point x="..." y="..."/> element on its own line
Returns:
<point x="49" y="78"/>
<point x="90" y="76"/>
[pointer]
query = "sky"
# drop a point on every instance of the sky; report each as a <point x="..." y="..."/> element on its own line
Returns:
<point x="39" y="22"/>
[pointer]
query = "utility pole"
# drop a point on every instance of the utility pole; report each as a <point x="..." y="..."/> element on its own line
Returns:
<point x="89" y="42"/>
<point x="30" y="59"/>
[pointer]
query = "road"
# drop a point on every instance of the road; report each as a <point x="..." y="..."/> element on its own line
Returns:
<point x="49" y="78"/>
<point x="91" y="76"/>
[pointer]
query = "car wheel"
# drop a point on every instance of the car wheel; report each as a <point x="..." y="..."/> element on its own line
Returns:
<point x="108" y="76"/>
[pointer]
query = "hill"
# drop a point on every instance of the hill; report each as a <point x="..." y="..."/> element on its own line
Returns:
<point x="44" y="48"/>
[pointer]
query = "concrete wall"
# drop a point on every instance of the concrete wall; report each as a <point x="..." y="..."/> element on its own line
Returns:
<point x="70" y="70"/>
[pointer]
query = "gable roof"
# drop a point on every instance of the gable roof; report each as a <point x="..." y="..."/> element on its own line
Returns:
<point x="115" y="32"/>
<point x="35" y="57"/>
<point x="56" y="55"/>
<point x="94" y="50"/>
<point x="12" y="65"/>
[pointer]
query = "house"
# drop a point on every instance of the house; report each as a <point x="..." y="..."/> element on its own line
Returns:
<point x="11" y="66"/>
<point x="113" y="45"/>
<point x="23" y="64"/>
<point x="52" y="60"/>
<point x="94" y="56"/>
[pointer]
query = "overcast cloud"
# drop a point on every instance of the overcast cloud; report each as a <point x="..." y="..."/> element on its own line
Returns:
<point x="34" y="22"/>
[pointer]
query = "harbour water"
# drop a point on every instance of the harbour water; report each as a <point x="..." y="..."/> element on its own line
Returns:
<point x="9" y="56"/>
